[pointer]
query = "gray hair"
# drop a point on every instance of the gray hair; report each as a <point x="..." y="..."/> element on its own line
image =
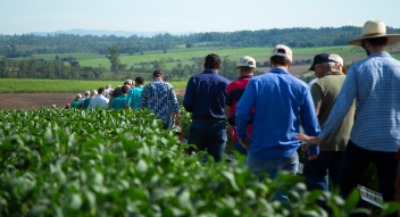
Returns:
<point x="331" y="65"/>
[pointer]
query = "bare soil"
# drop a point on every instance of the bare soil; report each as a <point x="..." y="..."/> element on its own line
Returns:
<point x="43" y="100"/>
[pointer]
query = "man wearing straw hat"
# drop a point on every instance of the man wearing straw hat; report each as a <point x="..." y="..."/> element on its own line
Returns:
<point x="375" y="83"/>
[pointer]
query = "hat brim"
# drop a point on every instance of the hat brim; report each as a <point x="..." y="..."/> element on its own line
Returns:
<point x="392" y="39"/>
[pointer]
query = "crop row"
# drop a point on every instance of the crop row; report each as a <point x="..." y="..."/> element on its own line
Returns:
<point x="122" y="163"/>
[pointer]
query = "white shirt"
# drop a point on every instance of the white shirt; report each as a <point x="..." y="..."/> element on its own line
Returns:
<point x="99" y="100"/>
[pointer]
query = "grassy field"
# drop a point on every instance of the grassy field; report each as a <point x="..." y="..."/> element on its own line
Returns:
<point x="185" y="56"/>
<point x="44" y="85"/>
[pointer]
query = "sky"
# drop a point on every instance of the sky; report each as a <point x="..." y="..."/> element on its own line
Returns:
<point x="183" y="16"/>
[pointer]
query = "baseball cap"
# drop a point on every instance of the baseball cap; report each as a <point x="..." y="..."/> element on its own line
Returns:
<point x="282" y="51"/>
<point x="128" y="81"/>
<point x="87" y="93"/>
<point x="247" y="61"/>
<point x="324" y="58"/>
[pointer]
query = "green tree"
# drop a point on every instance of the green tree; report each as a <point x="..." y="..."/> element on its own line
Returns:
<point x="113" y="56"/>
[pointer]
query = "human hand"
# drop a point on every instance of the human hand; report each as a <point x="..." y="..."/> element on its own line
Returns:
<point x="245" y="143"/>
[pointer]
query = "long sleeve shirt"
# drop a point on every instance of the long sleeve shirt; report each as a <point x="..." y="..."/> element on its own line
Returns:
<point x="375" y="84"/>
<point x="205" y="96"/>
<point x="160" y="97"/>
<point x="282" y="103"/>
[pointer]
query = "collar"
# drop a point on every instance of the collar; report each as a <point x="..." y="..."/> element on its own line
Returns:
<point x="379" y="54"/>
<point x="245" y="76"/>
<point x="333" y="73"/>
<point x="209" y="71"/>
<point x="279" y="71"/>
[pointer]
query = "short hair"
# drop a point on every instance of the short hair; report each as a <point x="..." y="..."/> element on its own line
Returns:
<point x="101" y="90"/>
<point x="245" y="69"/>
<point x="330" y="65"/>
<point x="158" y="73"/>
<point x="124" y="89"/>
<point x="212" y="61"/>
<point x="139" y="80"/>
<point x="381" y="41"/>
<point x="279" y="61"/>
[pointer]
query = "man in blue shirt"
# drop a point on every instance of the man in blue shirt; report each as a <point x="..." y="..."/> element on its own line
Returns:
<point x="282" y="103"/>
<point x="205" y="99"/>
<point x="375" y="83"/>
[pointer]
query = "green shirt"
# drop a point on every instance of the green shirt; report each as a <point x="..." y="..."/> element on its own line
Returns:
<point x="324" y="93"/>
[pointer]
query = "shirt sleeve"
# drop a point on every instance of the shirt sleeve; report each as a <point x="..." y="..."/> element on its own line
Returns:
<point x="317" y="96"/>
<point x="129" y="97"/>
<point x="243" y="109"/>
<point x="174" y="100"/>
<point x="342" y="105"/>
<point x="188" y="99"/>
<point x="143" y="98"/>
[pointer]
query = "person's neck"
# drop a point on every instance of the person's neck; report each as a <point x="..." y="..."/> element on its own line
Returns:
<point x="376" y="49"/>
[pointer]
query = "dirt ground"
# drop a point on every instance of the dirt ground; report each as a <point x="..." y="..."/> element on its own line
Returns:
<point x="42" y="100"/>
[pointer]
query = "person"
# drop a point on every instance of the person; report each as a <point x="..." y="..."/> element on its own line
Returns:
<point x="247" y="68"/>
<point x="86" y="95"/>
<point x="159" y="96"/>
<point x="133" y="99"/>
<point x="205" y="98"/>
<point x="328" y="69"/>
<point x="119" y="102"/>
<point x="282" y="102"/>
<point x="86" y="102"/>
<point x="117" y="91"/>
<point x="100" y="100"/>
<point x="374" y="83"/>
<point x="109" y="91"/>
<point x="74" y="104"/>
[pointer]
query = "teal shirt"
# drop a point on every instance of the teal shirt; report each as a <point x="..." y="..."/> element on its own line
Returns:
<point x="118" y="102"/>
<point x="133" y="99"/>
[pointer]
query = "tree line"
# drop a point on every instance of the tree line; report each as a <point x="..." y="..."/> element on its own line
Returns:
<point x="27" y="44"/>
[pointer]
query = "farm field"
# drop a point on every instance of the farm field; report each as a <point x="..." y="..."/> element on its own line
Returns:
<point x="122" y="163"/>
<point x="185" y="56"/>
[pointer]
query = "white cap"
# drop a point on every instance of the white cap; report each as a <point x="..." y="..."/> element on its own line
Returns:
<point x="282" y="51"/>
<point x="247" y="61"/>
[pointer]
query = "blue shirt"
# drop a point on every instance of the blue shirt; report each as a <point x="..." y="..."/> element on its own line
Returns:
<point x="375" y="84"/>
<point x="118" y="102"/>
<point x="282" y="103"/>
<point x="133" y="99"/>
<point x="160" y="97"/>
<point x="205" y="96"/>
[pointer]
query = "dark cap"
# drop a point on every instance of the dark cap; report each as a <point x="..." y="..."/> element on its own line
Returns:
<point x="321" y="58"/>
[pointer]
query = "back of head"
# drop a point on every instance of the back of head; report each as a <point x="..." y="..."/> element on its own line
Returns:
<point x="212" y="61"/>
<point x="246" y="64"/>
<point x="93" y="93"/>
<point x="139" y="80"/>
<point x="158" y="73"/>
<point x="78" y="96"/>
<point x="87" y="94"/>
<point x="281" y="55"/>
<point x="125" y="89"/>
<point x="100" y="90"/>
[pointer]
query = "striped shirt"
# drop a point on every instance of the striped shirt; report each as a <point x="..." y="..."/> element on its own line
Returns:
<point x="375" y="84"/>
<point x="160" y="97"/>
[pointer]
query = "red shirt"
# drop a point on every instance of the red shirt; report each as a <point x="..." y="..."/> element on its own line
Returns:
<point x="234" y="92"/>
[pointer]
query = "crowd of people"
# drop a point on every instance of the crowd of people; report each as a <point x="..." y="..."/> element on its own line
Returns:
<point x="343" y="121"/>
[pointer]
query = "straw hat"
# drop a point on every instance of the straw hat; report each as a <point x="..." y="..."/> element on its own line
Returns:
<point x="375" y="29"/>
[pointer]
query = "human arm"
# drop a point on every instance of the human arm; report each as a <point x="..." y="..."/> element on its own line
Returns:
<point x="129" y="99"/>
<point x="243" y="113"/>
<point x="309" y="121"/>
<point x="188" y="99"/>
